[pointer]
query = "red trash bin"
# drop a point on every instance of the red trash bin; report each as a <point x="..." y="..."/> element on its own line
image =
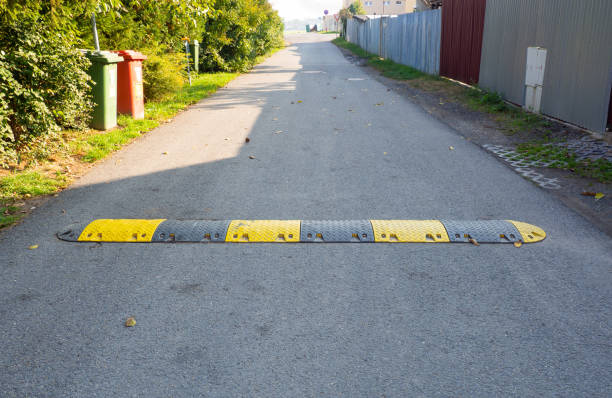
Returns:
<point x="130" y="96"/>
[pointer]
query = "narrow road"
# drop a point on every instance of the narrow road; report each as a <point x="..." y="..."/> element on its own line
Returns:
<point x="292" y="320"/>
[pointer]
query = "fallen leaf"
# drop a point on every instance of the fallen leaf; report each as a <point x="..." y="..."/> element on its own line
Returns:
<point x="226" y="139"/>
<point x="299" y="102"/>
<point x="473" y="241"/>
<point x="164" y="153"/>
<point x="599" y="195"/>
<point x="33" y="247"/>
<point x="518" y="243"/>
<point x="251" y="157"/>
<point x="247" y="140"/>
<point x="380" y="104"/>
<point x="384" y="153"/>
<point x="588" y="193"/>
<point x="27" y="195"/>
<point x="452" y="148"/>
<point x="130" y="322"/>
<point x="278" y="132"/>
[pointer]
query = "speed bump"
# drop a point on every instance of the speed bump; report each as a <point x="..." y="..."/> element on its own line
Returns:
<point x="298" y="231"/>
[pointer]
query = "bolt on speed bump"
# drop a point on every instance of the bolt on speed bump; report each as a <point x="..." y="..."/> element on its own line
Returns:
<point x="302" y="231"/>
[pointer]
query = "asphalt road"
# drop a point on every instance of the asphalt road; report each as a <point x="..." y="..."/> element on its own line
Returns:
<point x="284" y="320"/>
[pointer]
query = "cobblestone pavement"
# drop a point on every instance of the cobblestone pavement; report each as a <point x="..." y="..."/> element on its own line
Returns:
<point x="588" y="148"/>
<point x="585" y="148"/>
<point x="524" y="166"/>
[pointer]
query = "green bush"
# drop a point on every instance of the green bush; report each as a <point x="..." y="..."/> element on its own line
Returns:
<point x="163" y="74"/>
<point x="237" y="32"/>
<point x="43" y="84"/>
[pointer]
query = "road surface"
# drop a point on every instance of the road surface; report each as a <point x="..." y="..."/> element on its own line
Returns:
<point x="284" y="320"/>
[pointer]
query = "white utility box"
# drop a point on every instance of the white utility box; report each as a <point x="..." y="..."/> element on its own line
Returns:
<point x="534" y="78"/>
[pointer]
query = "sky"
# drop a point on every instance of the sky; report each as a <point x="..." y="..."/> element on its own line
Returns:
<point x="303" y="9"/>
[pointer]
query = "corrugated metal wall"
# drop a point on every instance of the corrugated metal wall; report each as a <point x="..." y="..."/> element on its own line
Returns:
<point x="462" y="27"/>
<point x="578" y="37"/>
<point x="410" y="39"/>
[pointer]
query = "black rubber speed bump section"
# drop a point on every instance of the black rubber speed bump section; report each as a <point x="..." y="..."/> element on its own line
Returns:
<point x="72" y="232"/>
<point x="336" y="231"/>
<point x="191" y="231"/>
<point x="483" y="231"/>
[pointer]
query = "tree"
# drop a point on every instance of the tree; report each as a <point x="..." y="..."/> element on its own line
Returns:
<point x="357" y="8"/>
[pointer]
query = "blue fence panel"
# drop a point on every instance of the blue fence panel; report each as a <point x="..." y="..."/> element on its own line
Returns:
<point x="410" y="39"/>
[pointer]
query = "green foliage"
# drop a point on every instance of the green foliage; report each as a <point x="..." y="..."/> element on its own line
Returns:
<point x="43" y="84"/>
<point x="356" y="8"/>
<point x="163" y="75"/>
<point x="237" y="32"/>
<point x="146" y="23"/>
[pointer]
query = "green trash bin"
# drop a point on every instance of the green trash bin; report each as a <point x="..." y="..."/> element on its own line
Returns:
<point x="194" y="49"/>
<point x="103" y="72"/>
<point x="307" y="28"/>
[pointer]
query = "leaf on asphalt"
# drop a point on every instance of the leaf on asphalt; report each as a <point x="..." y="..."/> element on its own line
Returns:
<point x="33" y="247"/>
<point x="226" y="138"/>
<point x="278" y="131"/>
<point x="247" y="140"/>
<point x="380" y="104"/>
<point x="599" y="195"/>
<point x="164" y="153"/>
<point x="451" y="148"/>
<point x="473" y="241"/>
<point x="587" y="193"/>
<point x="251" y="157"/>
<point x="299" y="101"/>
<point x="130" y="322"/>
<point x="518" y="243"/>
<point x="384" y="153"/>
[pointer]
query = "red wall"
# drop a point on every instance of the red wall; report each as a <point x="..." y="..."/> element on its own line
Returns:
<point x="462" y="27"/>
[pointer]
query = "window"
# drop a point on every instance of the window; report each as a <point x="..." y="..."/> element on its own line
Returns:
<point x="387" y="2"/>
<point x="369" y="3"/>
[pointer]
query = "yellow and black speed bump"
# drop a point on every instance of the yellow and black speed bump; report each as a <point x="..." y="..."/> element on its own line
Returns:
<point x="297" y="231"/>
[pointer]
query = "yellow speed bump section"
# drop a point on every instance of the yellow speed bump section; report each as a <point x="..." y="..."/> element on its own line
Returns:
<point x="126" y="230"/>
<point x="263" y="231"/>
<point x="530" y="233"/>
<point x="409" y="231"/>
